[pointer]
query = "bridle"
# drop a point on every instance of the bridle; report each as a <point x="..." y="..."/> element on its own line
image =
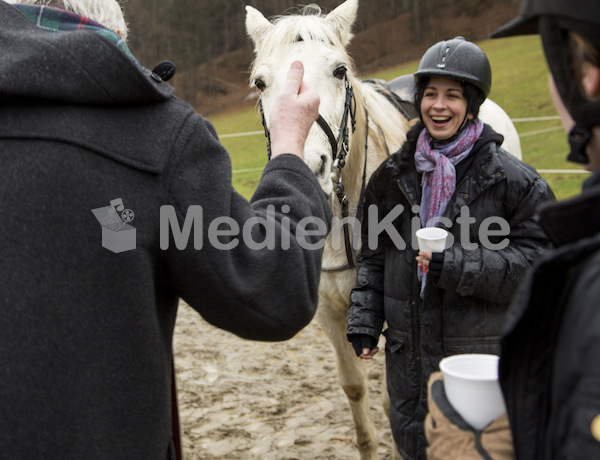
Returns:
<point x="340" y="147"/>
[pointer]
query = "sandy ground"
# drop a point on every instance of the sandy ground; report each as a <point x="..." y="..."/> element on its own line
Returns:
<point x="270" y="401"/>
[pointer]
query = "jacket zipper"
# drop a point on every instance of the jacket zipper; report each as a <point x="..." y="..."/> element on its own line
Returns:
<point x="404" y="193"/>
<point x="415" y="313"/>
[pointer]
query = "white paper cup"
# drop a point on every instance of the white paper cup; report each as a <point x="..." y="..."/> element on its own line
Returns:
<point x="432" y="239"/>
<point x="472" y="387"/>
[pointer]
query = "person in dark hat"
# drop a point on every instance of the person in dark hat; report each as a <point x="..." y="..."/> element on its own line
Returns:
<point x="549" y="368"/>
<point x="450" y="173"/>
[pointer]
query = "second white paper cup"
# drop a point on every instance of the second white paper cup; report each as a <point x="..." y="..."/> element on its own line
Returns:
<point x="472" y="387"/>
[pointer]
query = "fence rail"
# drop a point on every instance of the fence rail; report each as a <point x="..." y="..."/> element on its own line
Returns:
<point x="514" y="120"/>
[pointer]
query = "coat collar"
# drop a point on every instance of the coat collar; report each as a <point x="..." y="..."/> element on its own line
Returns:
<point x="486" y="170"/>
<point x="569" y="221"/>
<point x="59" y="67"/>
<point x="56" y="20"/>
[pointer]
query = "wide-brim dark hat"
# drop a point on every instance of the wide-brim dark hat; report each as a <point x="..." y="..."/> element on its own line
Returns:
<point x="521" y="25"/>
<point x="583" y="14"/>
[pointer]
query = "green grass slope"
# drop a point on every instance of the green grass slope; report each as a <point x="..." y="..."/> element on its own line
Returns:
<point x="520" y="86"/>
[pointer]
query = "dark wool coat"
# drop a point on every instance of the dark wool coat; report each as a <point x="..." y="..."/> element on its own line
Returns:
<point x="464" y="311"/>
<point x="86" y="333"/>
<point x="549" y="368"/>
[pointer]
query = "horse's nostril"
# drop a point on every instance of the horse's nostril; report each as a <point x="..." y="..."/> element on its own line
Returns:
<point x="323" y="162"/>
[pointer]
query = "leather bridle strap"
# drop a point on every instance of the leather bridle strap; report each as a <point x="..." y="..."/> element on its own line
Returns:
<point x="329" y="133"/>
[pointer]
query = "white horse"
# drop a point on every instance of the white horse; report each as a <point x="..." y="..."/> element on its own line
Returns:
<point x="359" y="126"/>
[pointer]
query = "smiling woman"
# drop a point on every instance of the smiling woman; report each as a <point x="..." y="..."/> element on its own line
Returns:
<point x="452" y="301"/>
<point x="444" y="108"/>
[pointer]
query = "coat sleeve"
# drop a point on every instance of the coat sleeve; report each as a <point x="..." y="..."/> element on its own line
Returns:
<point x="253" y="267"/>
<point x="365" y="312"/>
<point x="494" y="273"/>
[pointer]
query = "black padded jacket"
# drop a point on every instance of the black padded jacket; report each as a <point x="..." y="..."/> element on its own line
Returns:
<point x="464" y="311"/>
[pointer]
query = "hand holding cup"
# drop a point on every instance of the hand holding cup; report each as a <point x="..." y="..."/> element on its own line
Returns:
<point x="430" y="239"/>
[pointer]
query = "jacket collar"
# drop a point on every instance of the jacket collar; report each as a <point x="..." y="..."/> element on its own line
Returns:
<point x="58" y="66"/>
<point x="572" y="220"/>
<point x="56" y="20"/>
<point x="485" y="171"/>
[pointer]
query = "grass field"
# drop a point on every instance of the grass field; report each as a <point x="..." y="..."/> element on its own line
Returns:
<point x="520" y="86"/>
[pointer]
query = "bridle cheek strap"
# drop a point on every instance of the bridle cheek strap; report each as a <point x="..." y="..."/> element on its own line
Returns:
<point x="329" y="133"/>
<point x="339" y="149"/>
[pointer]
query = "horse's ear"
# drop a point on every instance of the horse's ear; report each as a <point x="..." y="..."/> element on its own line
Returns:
<point x="257" y="26"/>
<point x="342" y="19"/>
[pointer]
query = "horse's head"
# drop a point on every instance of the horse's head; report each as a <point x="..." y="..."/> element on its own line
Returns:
<point x="320" y="43"/>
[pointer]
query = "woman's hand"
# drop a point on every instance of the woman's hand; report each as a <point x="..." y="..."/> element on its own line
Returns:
<point x="368" y="353"/>
<point x="423" y="259"/>
<point x="364" y="346"/>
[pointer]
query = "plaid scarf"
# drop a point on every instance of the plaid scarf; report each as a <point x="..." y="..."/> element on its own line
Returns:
<point x="57" y="20"/>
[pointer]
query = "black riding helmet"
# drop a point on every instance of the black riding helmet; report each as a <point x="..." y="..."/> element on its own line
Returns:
<point x="459" y="60"/>
<point x="553" y="19"/>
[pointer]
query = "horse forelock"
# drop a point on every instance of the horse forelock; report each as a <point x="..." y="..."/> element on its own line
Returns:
<point x="309" y="25"/>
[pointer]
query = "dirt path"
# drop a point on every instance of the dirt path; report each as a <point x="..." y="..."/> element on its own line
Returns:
<point x="270" y="401"/>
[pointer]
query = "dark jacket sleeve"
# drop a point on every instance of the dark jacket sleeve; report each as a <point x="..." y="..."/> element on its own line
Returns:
<point x="576" y="390"/>
<point x="494" y="274"/>
<point x="257" y="271"/>
<point x="365" y="313"/>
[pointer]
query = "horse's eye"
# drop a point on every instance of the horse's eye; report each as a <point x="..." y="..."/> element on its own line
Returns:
<point x="340" y="72"/>
<point x="260" y="84"/>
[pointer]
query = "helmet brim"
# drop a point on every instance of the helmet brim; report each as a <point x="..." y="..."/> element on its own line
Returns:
<point x="517" y="26"/>
<point x="454" y="76"/>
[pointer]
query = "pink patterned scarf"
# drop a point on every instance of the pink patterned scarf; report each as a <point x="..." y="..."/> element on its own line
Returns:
<point x="437" y="161"/>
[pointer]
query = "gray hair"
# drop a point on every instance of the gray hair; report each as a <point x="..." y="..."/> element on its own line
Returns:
<point x="106" y="12"/>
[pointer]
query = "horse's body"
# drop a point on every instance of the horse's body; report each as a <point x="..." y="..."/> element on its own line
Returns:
<point x="320" y="43"/>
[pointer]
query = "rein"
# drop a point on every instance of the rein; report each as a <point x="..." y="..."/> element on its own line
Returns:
<point x="340" y="148"/>
<point x="350" y="256"/>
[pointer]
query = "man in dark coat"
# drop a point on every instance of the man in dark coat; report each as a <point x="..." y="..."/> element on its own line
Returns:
<point x="90" y="140"/>
<point x="549" y="368"/>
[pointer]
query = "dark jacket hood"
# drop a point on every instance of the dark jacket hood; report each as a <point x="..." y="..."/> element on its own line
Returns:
<point x="33" y="67"/>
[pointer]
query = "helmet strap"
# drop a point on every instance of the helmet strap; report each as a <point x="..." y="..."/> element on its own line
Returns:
<point x="578" y="139"/>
